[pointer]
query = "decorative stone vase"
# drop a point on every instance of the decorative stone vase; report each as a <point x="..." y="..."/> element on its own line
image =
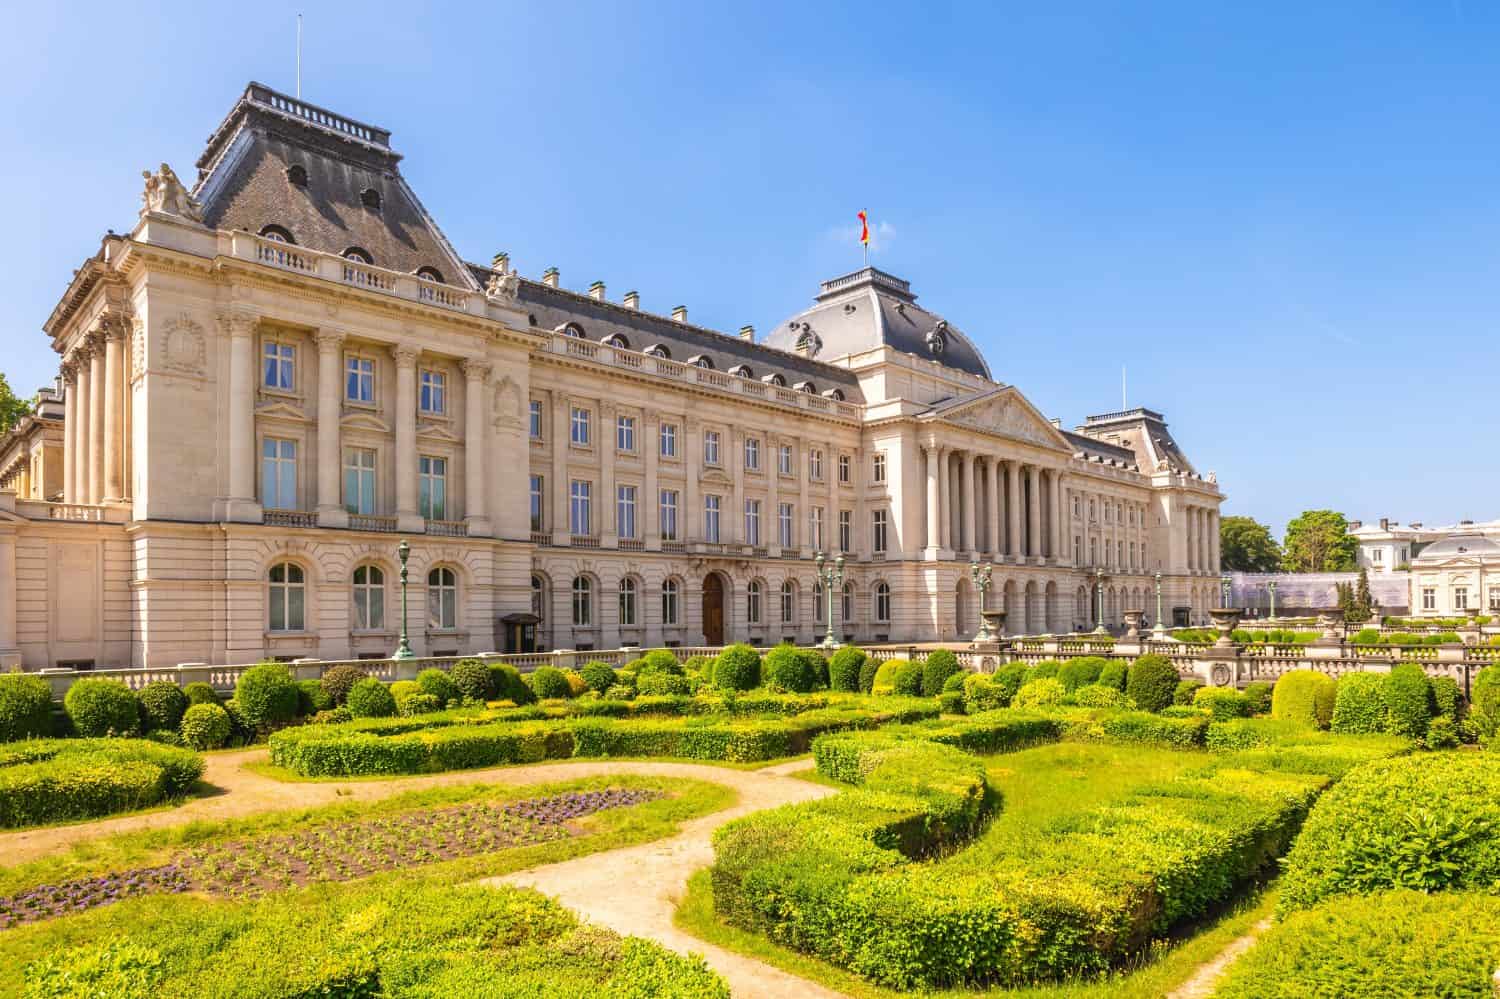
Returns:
<point x="1329" y="620"/>
<point x="1133" y="620"/>
<point x="1226" y="619"/>
<point x="994" y="625"/>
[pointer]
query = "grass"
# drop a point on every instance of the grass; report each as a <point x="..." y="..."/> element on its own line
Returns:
<point x="265" y="768"/>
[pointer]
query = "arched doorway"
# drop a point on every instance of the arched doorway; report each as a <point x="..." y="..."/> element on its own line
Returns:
<point x="963" y="609"/>
<point x="713" y="609"/>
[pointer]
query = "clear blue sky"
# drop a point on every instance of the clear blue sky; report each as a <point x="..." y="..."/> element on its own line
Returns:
<point x="1282" y="217"/>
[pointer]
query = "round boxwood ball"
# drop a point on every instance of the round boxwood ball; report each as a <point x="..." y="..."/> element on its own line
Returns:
<point x="369" y="698"/>
<point x="867" y="671"/>
<point x="600" y="676"/>
<point x="162" y="705"/>
<point x="787" y="669"/>
<point x="1152" y="682"/>
<point x="312" y="698"/>
<point x="549" y="682"/>
<point x="439" y="684"/>
<point x="1408" y="701"/>
<point x="940" y="665"/>
<point x="843" y="669"/>
<point x="659" y="661"/>
<point x="102" y="707"/>
<point x="1305" y="697"/>
<point x="1113" y="674"/>
<point x="205" y="726"/>
<point x="339" y="679"/>
<point x="907" y="680"/>
<point x="737" y="668"/>
<point x="267" y="695"/>
<point x="25" y="707"/>
<point x="199" y="692"/>
<point x="472" y="678"/>
<point x="1358" y="704"/>
<point x="509" y="685"/>
<point x="1081" y="671"/>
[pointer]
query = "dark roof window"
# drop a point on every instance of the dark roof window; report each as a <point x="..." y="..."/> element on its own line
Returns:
<point x="657" y="350"/>
<point x="370" y="198"/>
<point x="701" y="361"/>
<point x="276" y="233"/>
<point x="807" y="387"/>
<point x="296" y="174"/>
<point x="616" y="340"/>
<point x="775" y="378"/>
<point x="742" y="371"/>
<point x="837" y="395"/>
<point x="355" y="253"/>
<point x="570" y="329"/>
<point x="430" y="274"/>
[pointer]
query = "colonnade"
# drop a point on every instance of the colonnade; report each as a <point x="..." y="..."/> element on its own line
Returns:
<point x="981" y="504"/>
<point x="1202" y="524"/>
<point x="96" y="403"/>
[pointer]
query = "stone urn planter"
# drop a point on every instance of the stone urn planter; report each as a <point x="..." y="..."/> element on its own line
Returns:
<point x="993" y="627"/>
<point x="1133" y="619"/>
<point x="1226" y="619"/>
<point x="1330" y="620"/>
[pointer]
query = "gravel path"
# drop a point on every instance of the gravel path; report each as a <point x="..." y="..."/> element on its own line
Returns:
<point x="1202" y="984"/>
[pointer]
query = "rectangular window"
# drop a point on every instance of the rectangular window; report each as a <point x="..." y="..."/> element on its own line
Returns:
<point x="432" y="487"/>
<point x="625" y="434"/>
<point x="1093" y="551"/>
<point x="278" y="474"/>
<point x="752" y="521"/>
<point x="788" y="603"/>
<point x="1495" y="598"/>
<point x="535" y="424"/>
<point x="815" y="465"/>
<point x="880" y="530"/>
<point x="580" y="427"/>
<point x="359" y="379"/>
<point x="784" y="525"/>
<point x="669" y="440"/>
<point x="1377" y="554"/>
<point x="280" y="367"/>
<point x="669" y="602"/>
<point x="580" y="507"/>
<point x="878" y="470"/>
<point x="536" y="502"/>
<point x="1077" y="550"/>
<point x="711" y="518"/>
<point x="752" y="454"/>
<point x="625" y="511"/>
<point x="846" y="531"/>
<point x="434" y="393"/>
<point x="844" y="469"/>
<point x="1120" y="554"/>
<point x="669" y="515"/>
<point x="784" y="460"/>
<point x="1460" y="598"/>
<point x="817" y="528"/>
<point x="710" y="447"/>
<point x="359" y="480"/>
<point x="1429" y="598"/>
<point x="1077" y="504"/>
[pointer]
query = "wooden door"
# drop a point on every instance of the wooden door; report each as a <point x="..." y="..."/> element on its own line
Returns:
<point x="713" y="609"/>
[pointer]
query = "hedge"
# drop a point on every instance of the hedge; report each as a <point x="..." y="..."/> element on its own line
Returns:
<point x="25" y="707"/>
<point x="786" y="668"/>
<point x="1081" y="671"/>
<point x="1114" y="674"/>
<point x="57" y="780"/>
<point x="1359" y="704"/>
<point x="1447" y="699"/>
<point x="737" y="668"/>
<point x="1258" y="695"/>
<point x="1408" y="701"/>
<point x="1151" y="682"/>
<point x="1039" y="693"/>
<point x="868" y="670"/>
<point x="1306" y="697"/>
<point x="940" y="665"/>
<point x="1398" y="943"/>
<point x="266" y="695"/>
<point x="1223" y="703"/>
<point x="1099" y="695"/>
<point x="845" y="667"/>
<point x="1183" y="693"/>
<point x="99" y="708"/>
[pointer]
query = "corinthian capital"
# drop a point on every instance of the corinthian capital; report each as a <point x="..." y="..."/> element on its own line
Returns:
<point x="405" y="354"/>
<point x="329" y="340"/>
<point x="474" y="369"/>
<point x="238" y="324"/>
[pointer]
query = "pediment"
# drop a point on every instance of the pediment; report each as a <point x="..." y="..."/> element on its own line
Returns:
<point x="437" y="431"/>
<point x="1005" y="413"/>
<point x="715" y="475"/>
<point x="364" y="421"/>
<point x="280" y="410"/>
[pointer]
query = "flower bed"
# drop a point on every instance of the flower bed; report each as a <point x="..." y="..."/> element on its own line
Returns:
<point x="56" y="780"/>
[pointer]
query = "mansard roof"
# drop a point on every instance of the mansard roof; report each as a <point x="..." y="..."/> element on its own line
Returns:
<point x="1141" y="431"/>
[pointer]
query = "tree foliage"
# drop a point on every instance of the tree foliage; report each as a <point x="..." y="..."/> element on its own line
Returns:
<point x="12" y="406"/>
<point x="1318" y="541"/>
<point x="1247" y="546"/>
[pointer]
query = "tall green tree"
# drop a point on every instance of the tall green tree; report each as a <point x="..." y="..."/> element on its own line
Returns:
<point x="1246" y="545"/>
<point x="1318" y="541"/>
<point x="12" y="407"/>
<point x="1364" y="600"/>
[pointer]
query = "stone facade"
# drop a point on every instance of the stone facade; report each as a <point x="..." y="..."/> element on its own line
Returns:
<point x="280" y="374"/>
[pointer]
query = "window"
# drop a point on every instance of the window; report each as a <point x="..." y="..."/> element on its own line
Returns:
<point x="752" y="521"/>
<point x="432" y="487"/>
<point x="278" y="474"/>
<point x="669" y="514"/>
<point x="625" y="434"/>
<point x="627" y="602"/>
<point x="1077" y="550"/>
<point x="844" y="468"/>
<point x="583" y="602"/>
<point x="1093" y="551"/>
<point x="752" y="454"/>
<point x="815" y="465"/>
<point x="669" y="440"/>
<point x="1120" y="554"/>
<point x="358" y="255"/>
<point x="276" y="234"/>
<point x="846" y="531"/>
<point x="434" y="392"/>
<point x="359" y="480"/>
<point x="1377" y="555"/>
<point x="784" y="460"/>
<point x="657" y="350"/>
<point x="288" y="593"/>
<point x="1429" y="598"/>
<point x="280" y="366"/>
<point x="877" y="471"/>
<point x="710" y="447"/>
<point x="1091" y="509"/>
<point x="788" y="602"/>
<point x="1077" y="507"/>
<point x="784" y="525"/>
<point x="359" y="379"/>
<point x="1405" y="555"/>
<point x="818" y="607"/>
<point x="1495" y="598"/>
<point x="580" y="427"/>
<point x="535" y="420"/>
<point x="580" y="502"/>
<point x="370" y="198"/>
<point x="817" y="528"/>
<point x="1460" y="598"/>
<point x="442" y="599"/>
<point x="846" y="603"/>
<point x="883" y="602"/>
<point x="669" y="602"/>
<point x="536" y="502"/>
<point x="369" y="598"/>
<point x="625" y="511"/>
<point x="881" y="524"/>
<point x="711" y="518"/>
<point x="752" y="602"/>
<point x="538" y="599"/>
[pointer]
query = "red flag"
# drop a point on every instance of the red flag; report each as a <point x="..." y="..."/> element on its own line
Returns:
<point x="864" y="229"/>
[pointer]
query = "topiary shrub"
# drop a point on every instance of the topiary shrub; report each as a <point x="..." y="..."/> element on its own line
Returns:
<point x="737" y="668"/>
<point x="1114" y="673"/>
<point x="1008" y="680"/>
<point x="1408" y="701"/>
<point x="600" y="676"/>
<point x="549" y="683"/>
<point x="509" y="685"/>
<point x="102" y="707"/>
<point x="339" y="679"/>
<point x="472" y="678"/>
<point x="1151" y="682"/>
<point x="844" y="669"/>
<point x="884" y="682"/>
<point x="663" y="661"/>
<point x="1258" y="697"/>
<point x="1047" y="669"/>
<point x="25" y="707"/>
<point x="369" y="698"/>
<point x="439" y="684"/>
<point x="867" y="671"/>
<point x="205" y="726"/>
<point x="162" y="704"/>
<point x="417" y="703"/>
<point x="577" y="685"/>
<point x="1081" y="671"/>
<point x="401" y="690"/>
<point x="1223" y="703"/>
<point x="1306" y="697"/>
<point x="337" y="716"/>
<point x="663" y="684"/>
<point x="620" y="692"/>
<point x="312" y="698"/>
<point x="267" y="696"/>
<point x="1098" y="695"/>
<point x="240" y="731"/>
<point x="955" y="682"/>
<point x="1442" y="734"/>
<point x="1039" y="693"/>
<point x="1183" y="693"/>
<point x="1447" y="699"/>
<point x="199" y="692"/>
<point x="1359" y="704"/>
<point x="906" y="679"/>
<point x="940" y="665"/>
<point x="786" y="669"/>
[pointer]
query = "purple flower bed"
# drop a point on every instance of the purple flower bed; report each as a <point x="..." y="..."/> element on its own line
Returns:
<point x="338" y="852"/>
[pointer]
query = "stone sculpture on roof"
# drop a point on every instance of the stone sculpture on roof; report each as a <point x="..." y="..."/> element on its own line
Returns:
<point x="165" y="193"/>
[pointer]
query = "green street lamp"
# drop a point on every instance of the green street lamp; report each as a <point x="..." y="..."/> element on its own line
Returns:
<point x="1271" y="586"/>
<point x="1227" y="583"/>
<point x="403" y="650"/>
<point x="1099" y="628"/>
<point x="981" y="574"/>
<point x="832" y="575"/>
<point x="1159" y="630"/>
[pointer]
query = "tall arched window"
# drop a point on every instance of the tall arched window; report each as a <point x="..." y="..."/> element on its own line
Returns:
<point x="369" y="598"/>
<point x="846" y="603"/>
<point x="288" y="597"/>
<point x="442" y="599"/>
<point x="883" y="602"/>
<point x="583" y="602"/>
<point x="753" y="602"/>
<point x="669" y="594"/>
<point x="627" y="602"/>
<point x="788" y="602"/>
<point x="818" y="602"/>
<point x="538" y="599"/>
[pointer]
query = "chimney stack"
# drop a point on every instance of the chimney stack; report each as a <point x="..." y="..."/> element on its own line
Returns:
<point x="632" y="300"/>
<point x="747" y="332"/>
<point x="1385" y="523"/>
<point x="596" y="291"/>
<point x="1355" y="525"/>
<point x="551" y="278"/>
<point x="679" y="313"/>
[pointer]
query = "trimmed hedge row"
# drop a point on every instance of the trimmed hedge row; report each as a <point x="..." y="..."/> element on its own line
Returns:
<point x="57" y="780"/>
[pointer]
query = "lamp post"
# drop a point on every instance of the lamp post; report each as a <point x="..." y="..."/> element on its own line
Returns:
<point x="1227" y="583"/>
<point x="1099" y="628"/>
<point x="403" y="650"/>
<point x="980" y="574"/>
<point x="832" y="575"/>
<point x="1159" y="629"/>
<point x="1271" y="586"/>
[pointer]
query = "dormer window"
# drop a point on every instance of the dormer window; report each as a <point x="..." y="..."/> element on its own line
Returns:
<point x="742" y="371"/>
<point x="701" y="361"/>
<point x="570" y="329"/>
<point x="430" y="274"/>
<point x="657" y="350"/>
<point x="807" y="387"/>
<point x="276" y="234"/>
<point x="616" y="340"/>
<point x="937" y="338"/>
<point x="370" y="198"/>
<point x="837" y="395"/>
<point x="296" y="175"/>
<point x="355" y="253"/>
<point x="774" y="378"/>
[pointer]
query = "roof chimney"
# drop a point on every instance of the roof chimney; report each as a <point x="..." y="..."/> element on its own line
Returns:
<point x="596" y="291"/>
<point x="1385" y="523"/>
<point x="747" y="332"/>
<point x="1355" y="525"/>
<point x="632" y="300"/>
<point x="1415" y="523"/>
<point x="679" y="313"/>
<point x="551" y="278"/>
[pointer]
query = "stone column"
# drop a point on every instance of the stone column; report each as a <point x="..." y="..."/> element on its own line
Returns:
<point x="770" y="517"/>
<point x="802" y="522"/>
<point x="10" y="652"/>
<point x="1060" y="520"/>
<point x="831" y="480"/>
<point x="97" y="379"/>
<point x="733" y="532"/>
<point x="967" y="497"/>
<point x="650" y="507"/>
<point x="1013" y="507"/>
<point x="934" y="502"/>
<point x="1034" y="512"/>
<point x="559" y="474"/>
<point x="408" y="518"/>
<point x="114" y="410"/>
<point x="691" y="514"/>
<point x="80" y="420"/>
<point x="1191" y="543"/>
<point x="331" y="512"/>
<point x="242" y="505"/>
<point x="1215" y="556"/>
<point x="476" y="405"/>
<point x="863" y="532"/>
<point x="609" y="528"/>
<point x="997" y="509"/>
<point x="70" y="426"/>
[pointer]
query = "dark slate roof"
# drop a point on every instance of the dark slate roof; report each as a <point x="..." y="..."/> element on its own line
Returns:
<point x="243" y="183"/>
<point x="1476" y="545"/>
<point x="870" y="308"/>
<point x="1091" y="448"/>
<point x="1143" y="431"/>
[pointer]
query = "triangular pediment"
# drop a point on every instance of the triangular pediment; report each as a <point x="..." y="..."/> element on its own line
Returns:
<point x="1004" y="412"/>
<point x="437" y="431"/>
<point x="364" y="421"/>
<point x="280" y="410"/>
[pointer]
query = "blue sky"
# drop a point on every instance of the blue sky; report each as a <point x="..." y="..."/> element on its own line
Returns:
<point x="1283" y="220"/>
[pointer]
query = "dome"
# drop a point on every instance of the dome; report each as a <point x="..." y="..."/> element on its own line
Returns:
<point x="1471" y="545"/>
<point x="870" y="308"/>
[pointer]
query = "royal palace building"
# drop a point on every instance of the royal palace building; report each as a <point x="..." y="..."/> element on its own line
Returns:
<point x="285" y="371"/>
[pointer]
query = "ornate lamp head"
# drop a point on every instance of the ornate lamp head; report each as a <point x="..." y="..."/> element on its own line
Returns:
<point x="403" y="551"/>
